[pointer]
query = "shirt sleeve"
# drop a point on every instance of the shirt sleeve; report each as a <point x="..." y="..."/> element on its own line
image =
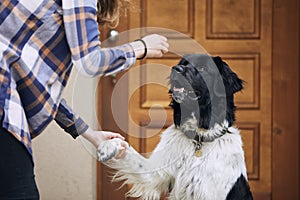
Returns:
<point x="68" y="120"/>
<point x="82" y="34"/>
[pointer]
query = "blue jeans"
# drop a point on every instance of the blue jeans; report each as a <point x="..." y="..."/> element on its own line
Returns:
<point x="16" y="169"/>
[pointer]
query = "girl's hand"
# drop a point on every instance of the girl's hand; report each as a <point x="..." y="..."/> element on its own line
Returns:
<point x="96" y="137"/>
<point x="156" y="45"/>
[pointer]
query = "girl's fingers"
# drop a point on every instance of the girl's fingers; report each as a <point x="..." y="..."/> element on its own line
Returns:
<point x="121" y="153"/>
<point x="165" y="50"/>
<point x="115" y="135"/>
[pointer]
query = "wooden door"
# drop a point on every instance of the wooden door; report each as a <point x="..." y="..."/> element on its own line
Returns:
<point x="240" y="31"/>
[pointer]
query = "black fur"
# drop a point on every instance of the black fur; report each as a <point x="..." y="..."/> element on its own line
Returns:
<point x="213" y="85"/>
<point x="240" y="190"/>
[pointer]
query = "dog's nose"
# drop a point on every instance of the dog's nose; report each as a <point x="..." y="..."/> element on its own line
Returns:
<point x="178" y="68"/>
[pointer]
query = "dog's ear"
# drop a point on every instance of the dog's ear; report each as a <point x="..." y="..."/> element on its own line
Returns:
<point x="232" y="82"/>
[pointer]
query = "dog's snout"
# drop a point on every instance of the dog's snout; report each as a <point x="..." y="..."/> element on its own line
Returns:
<point x="178" y="68"/>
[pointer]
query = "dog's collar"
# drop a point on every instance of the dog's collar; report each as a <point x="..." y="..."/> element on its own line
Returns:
<point x="207" y="136"/>
<point x="210" y="136"/>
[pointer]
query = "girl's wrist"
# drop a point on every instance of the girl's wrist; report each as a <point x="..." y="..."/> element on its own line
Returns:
<point x="145" y="49"/>
<point x="91" y="136"/>
<point x="139" y="49"/>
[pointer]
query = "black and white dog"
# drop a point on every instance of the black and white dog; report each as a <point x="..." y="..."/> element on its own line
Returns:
<point x="200" y="157"/>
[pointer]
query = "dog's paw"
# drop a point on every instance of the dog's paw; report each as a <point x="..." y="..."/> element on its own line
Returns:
<point x="108" y="149"/>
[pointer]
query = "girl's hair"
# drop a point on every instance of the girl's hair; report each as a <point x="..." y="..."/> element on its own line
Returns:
<point x="109" y="11"/>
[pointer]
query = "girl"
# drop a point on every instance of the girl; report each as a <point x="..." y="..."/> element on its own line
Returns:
<point x="40" y="42"/>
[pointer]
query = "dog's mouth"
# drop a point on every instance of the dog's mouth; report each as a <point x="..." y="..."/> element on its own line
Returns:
<point x="180" y="93"/>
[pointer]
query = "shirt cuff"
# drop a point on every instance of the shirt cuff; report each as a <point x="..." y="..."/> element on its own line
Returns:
<point x="67" y="120"/>
<point x="78" y="128"/>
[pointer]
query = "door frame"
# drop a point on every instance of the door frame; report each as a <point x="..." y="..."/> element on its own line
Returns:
<point x="285" y="111"/>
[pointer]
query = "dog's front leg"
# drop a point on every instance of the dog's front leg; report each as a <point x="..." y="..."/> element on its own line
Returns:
<point x="148" y="179"/>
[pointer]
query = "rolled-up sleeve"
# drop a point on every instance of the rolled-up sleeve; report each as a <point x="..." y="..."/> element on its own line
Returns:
<point x="67" y="120"/>
<point x="82" y="33"/>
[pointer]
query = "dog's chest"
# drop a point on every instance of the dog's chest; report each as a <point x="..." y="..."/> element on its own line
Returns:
<point x="211" y="175"/>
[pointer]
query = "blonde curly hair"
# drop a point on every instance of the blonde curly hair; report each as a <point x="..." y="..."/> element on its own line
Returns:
<point x="109" y="11"/>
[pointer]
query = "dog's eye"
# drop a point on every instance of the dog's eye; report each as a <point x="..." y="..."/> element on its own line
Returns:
<point x="191" y="93"/>
<point x="202" y="68"/>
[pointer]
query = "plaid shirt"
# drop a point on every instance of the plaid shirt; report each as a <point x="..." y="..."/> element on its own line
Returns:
<point x="40" y="41"/>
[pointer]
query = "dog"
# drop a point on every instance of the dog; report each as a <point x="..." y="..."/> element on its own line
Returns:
<point x="200" y="156"/>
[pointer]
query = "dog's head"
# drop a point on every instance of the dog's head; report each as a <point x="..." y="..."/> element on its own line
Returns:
<point x="203" y="87"/>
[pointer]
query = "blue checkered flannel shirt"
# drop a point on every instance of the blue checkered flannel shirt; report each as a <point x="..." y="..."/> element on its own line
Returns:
<point x="40" y="42"/>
